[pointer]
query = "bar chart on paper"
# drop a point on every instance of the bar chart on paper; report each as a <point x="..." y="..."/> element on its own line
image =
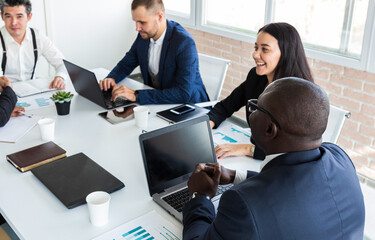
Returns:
<point x="150" y="226"/>
<point x="231" y="134"/>
<point x="35" y="101"/>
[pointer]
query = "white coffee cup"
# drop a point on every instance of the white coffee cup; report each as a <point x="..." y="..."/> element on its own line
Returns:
<point x="47" y="129"/>
<point x="98" y="205"/>
<point x="141" y="116"/>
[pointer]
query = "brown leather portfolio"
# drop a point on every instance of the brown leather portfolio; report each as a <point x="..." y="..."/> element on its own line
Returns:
<point x="36" y="156"/>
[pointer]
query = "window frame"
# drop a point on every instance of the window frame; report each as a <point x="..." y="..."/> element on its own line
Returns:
<point x="365" y="62"/>
<point x="185" y="21"/>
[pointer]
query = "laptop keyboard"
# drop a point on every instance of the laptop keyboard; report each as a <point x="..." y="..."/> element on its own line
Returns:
<point x="178" y="199"/>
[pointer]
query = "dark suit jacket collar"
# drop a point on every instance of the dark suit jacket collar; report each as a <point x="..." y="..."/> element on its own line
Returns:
<point x="294" y="158"/>
<point x="168" y="34"/>
<point x="167" y="38"/>
<point x="146" y="46"/>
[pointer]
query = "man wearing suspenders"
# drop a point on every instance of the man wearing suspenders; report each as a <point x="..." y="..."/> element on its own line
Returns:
<point x="22" y="46"/>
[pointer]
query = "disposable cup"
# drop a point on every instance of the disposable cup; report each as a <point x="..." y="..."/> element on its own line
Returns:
<point x="47" y="129"/>
<point x="141" y="116"/>
<point x="98" y="205"/>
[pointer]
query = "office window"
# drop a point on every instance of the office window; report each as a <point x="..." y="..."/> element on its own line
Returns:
<point x="330" y="25"/>
<point x="245" y="16"/>
<point x="335" y="26"/>
<point x="182" y="11"/>
<point x="337" y="31"/>
<point x="181" y="7"/>
<point x="358" y="26"/>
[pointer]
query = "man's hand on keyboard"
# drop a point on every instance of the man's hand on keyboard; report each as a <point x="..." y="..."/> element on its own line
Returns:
<point x="122" y="91"/>
<point x="107" y="83"/>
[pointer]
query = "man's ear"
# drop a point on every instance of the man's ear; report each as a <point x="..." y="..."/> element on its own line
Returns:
<point x="160" y="16"/>
<point x="272" y="130"/>
<point x="29" y="17"/>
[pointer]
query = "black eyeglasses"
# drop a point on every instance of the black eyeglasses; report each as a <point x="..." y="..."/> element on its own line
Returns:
<point x="252" y="105"/>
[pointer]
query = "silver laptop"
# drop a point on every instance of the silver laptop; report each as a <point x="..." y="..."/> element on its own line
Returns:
<point x="170" y="155"/>
<point x="86" y="84"/>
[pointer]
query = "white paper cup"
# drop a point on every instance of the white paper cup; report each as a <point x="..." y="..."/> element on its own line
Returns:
<point x="47" y="129"/>
<point x="98" y="204"/>
<point x="141" y="116"/>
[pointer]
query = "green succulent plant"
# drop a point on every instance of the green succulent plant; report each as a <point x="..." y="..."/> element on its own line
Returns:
<point x="62" y="96"/>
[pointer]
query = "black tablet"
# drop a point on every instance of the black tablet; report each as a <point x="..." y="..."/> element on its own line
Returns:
<point x="119" y="115"/>
<point x="72" y="178"/>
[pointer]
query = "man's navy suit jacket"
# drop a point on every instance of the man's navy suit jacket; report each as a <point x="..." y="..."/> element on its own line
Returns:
<point x="178" y="68"/>
<point x="305" y="195"/>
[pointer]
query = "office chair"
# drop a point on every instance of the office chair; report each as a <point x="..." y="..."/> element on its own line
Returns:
<point x="335" y="122"/>
<point x="213" y="71"/>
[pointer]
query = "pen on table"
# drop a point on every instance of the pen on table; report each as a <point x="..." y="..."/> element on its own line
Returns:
<point x="24" y="114"/>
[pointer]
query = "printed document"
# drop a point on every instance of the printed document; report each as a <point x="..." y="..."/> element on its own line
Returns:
<point x="149" y="226"/>
<point x="228" y="133"/>
<point x="32" y="87"/>
<point x="17" y="127"/>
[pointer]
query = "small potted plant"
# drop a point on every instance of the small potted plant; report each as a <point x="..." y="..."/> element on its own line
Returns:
<point x="62" y="101"/>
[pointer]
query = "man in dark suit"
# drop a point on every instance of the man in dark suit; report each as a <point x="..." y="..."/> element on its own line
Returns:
<point x="8" y="100"/>
<point x="305" y="189"/>
<point x="8" y="108"/>
<point x="167" y="56"/>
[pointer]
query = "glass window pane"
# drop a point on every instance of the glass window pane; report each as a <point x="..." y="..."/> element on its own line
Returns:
<point x="319" y="22"/>
<point x="239" y="15"/>
<point x="358" y="27"/>
<point x="180" y="7"/>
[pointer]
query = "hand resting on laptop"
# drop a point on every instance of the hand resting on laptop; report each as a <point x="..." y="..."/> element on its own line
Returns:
<point x="109" y="84"/>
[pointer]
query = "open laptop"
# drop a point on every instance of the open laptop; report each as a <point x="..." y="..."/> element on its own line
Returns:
<point x="170" y="155"/>
<point x="86" y="84"/>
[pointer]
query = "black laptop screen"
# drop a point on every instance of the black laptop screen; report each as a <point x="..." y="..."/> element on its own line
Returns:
<point x="171" y="156"/>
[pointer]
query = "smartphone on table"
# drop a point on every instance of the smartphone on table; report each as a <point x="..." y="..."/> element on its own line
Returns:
<point x="182" y="109"/>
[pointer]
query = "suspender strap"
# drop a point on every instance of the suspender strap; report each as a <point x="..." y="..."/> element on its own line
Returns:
<point x="4" y="62"/>
<point x="35" y="51"/>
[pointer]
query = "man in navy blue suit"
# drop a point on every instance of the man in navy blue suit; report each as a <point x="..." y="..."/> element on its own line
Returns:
<point x="167" y="56"/>
<point x="305" y="189"/>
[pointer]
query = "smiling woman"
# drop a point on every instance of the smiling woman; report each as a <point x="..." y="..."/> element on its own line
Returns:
<point x="278" y="53"/>
<point x="266" y="55"/>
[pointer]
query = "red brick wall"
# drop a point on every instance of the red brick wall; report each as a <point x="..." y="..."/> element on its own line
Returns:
<point x="347" y="88"/>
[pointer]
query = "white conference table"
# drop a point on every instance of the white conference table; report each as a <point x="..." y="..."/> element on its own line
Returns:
<point x="34" y="212"/>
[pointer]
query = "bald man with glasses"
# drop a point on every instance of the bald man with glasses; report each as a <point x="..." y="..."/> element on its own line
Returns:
<point x="305" y="189"/>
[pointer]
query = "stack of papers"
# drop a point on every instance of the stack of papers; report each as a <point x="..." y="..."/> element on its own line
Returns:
<point x="31" y="87"/>
<point x="36" y="101"/>
<point x="17" y="127"/>
<point x="228" y="133"/>
<point x="149" y="226"/>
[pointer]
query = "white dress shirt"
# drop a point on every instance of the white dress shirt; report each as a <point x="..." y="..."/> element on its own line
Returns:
<point x="241" y="175"/>
<point x="20" y="57"/>
<point x="154" y="52"/>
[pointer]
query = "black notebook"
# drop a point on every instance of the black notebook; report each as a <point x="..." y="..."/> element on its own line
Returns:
<point x="174" y="118"/>
<point x="71" y="179"/>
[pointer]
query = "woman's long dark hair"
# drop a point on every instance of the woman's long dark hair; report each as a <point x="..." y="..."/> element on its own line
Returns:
<point x="293" y="62"/>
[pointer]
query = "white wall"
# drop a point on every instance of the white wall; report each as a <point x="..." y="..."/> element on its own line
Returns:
<point x="91" y="33"/>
